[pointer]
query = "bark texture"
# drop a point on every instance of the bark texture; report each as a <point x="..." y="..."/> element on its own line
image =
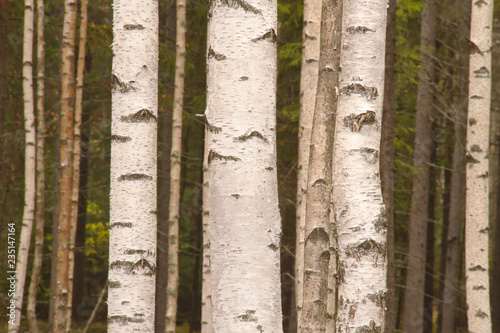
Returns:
<point x="29" y="165"/>
<point x="387" y="161"/>
<point x="359" y="212"/>
<point x="175" y="169"/>
<point x="319" y="253"/>
<point x="417" y="231"/>
<point x="244" y="217"/>
<point x="132" y="254"/>
<point x="206" y="291"/>
<point x="40" y="169"/>
<point x="308" y="83"/>
<point x="477" y="144"/>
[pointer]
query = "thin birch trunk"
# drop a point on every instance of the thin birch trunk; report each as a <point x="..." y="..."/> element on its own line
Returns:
<point x="476" y="208"/>
<point x="206" y="291"/>
<point x="29" y="166"/>
<point x="77" y="152"/>
<point x="308" y="84"/>
<point x="175" y="169"/>
<point x="319" y="253"/>
<point x="40" y="169"/>
<point x="244" y="217"/>
<point x="132" y="254"/>
<point x="417" y="231"/>
<point x="387" y="161"/>
<point x="359" y="211"/>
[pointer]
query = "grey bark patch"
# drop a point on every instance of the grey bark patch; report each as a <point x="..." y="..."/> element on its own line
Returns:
<point x="216" y="55"/>
<point x="141" y="116"/>
<point x="133" y="27"/>
<point x="472" y="121"/>
<point x="371" y="328"/>
<point x="273" y="247"/>
<point x="370" y="93"/>
<point x="121" y="264"/>
<point x="269" y="35"/>
<point x="240" y="4"/>
<point x="367" y="247"/>
<point x="244" y="78"/>
<point x="358" y="30"/>
<point x="356" y="121"/>
<point x="476" y="97"/>
<point x="134" y="176"/>
<point x="475" y="149"/>
<point x="318" y="235"/>
<point x="213" y="155"/>
<point x="254" y="134"/>
<point x="249" y="316"/>
<point x="269" y="168"/>
<point x="481" y="314"/>
<point x="480" y="287"/>
<point x="118" y="85"/>
<point x="470" y="159"/>
<point x="120" y="225"/>
<point x="143" y="267"/>
<point x="378" y="298"/>
<point x="482" y="72"/>
<point x="124" y="320"/>
<point x="114" y="284"/>
<point x="381" y="223"/>
<point x="477" y="268"/>
<point x="370" y="155"/>
<point x="119" y="138"/>
<point x="133" y="251"/>
<point x="237" y="196"/>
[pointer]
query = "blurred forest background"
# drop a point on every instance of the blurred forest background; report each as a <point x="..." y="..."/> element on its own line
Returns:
<point x="92" y="235"/>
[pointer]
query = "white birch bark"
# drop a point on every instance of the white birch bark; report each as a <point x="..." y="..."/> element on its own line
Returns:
<point x="132" y="254"/>
<point x="175" y="169"/>
<point x="308" y="84"/>
<point x="40" y="170"/>
<point x="244" y="217"/>
<point x="77" y="151"/>
<point x="476" y="207"/>
<point x="206" y="291"/>
<point x="359" y="211"/>
<point x="29" y="164"/>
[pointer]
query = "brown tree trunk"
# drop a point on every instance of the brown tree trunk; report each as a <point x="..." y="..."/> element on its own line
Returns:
<point x="415" y="275"/>
<point x="387" y="160"/>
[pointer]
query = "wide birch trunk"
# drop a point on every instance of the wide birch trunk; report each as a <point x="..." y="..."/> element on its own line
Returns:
<point x="319" y="253"/>
<point x="132" y="254"/>
<point x="29" y="166"/>
<point x="308" y="83"/>
<point x="359" y="212"/>
<point x="40" y="170"/>
<point x="244" y="217"/>
<point x="476" y="207"/>
<point x="175" y="169"/>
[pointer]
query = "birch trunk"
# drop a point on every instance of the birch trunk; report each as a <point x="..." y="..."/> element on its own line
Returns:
<point x="244" y="217"/>
<point x="76" y="152"/>
<point x="40" y="169"/>
<point x="61" y="305"/>
<point x="29" y="166"/>
<point x="417" y="233"/>
<point x="308" y="84"/>
<point x="175" y="169"/>
<point x="387" y="161"/>
<point x="476" y="208"/>
<point x="359" y="211"/>
<point x="206" y="291"/>
<point x="132" y="253"/>
<point x="319" y="256"/>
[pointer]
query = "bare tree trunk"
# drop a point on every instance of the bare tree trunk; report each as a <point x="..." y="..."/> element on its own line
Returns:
<point x="430" y="253"/>
<point x="175" y="170"/>
<point x="308" y="84"/>
<point x="76" y="153"/>
<point x="40" y="170"/>
<point x="21" y="260"/>
<point x="133" y="178"/>
<point x="387" y="161"/>
<point x="477" y="145"/>
<point x="417" y="231"/>
<point x="359" y="211"/>
<point x="206" y="293"/>
<point x="319" y="259"/>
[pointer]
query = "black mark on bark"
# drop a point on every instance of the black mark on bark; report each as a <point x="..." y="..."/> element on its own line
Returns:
<point x="318" y="235"/>
<point x="372" y="328"/>
<point x="370" y="155"/>
<point x="120" y="138"/>
<point x="114" y="284"/>
<point x="381" y="223"/>
<point x="478" y="288"/>
<point x="476" y="149"/>
<point x="134" y="176"/>
<point x="476" y="97"/>
<point x="356" y="121"/>
<point x="320" y="182"/>
<point x="273" y="247"/>
<point x="270" y="34"/>
<point x="141" y="116"/>
<point x="124" y="320"/>
<point x="132" y="251"/>
<point x="309" y="37"/>
<point x="378" y="298"/>
<point x="470" y="159"/>
<point x="480" y="3"/>
<point x="269" y="169"/>
<point x="244" y="78"/>
<point x="213" y="155"/>
<point x="481" y="314"/>
<point x="118" y="85"/>
<point x="211" y="128"/>
<point x="485" y="230"/>
<point x="133" y="27"/>
<point x="249" y="316"/>
<point x="254" y="134"/>
<point x="358" y="30"/>
<point x="212" y="54"/>
<point x="370" y="93"/>
<point x="121" y="225"/>
<point x="477" y="268"/>
<point x="365" y="248"/>
<point x="241" y="4"/>
<point x="143" y="267"/>
<point x="237" y="196"/>
<point x="482" y="72"/>
<point x="308" y="61"/>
